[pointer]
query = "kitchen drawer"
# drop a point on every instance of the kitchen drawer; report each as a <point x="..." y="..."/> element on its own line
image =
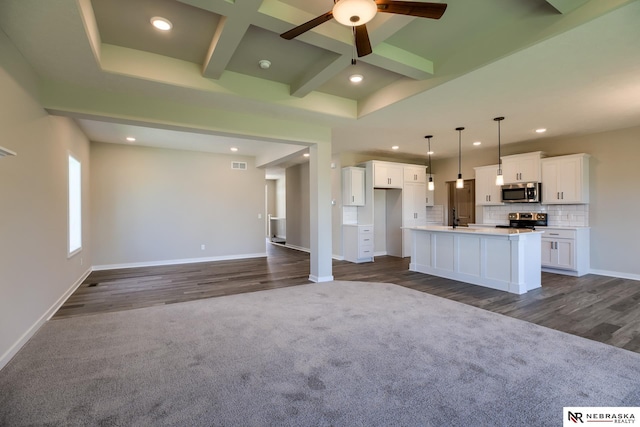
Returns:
<point x="559" y="234"/>
<point x="365" y="250"/>
<point x="365" y="230"/>
<point x="365" y="239"/>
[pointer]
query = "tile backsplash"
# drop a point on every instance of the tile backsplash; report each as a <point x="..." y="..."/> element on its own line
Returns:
<point x="349" y="214"/>
<point x="557" y="215"/>
<point x="435" y="214"/>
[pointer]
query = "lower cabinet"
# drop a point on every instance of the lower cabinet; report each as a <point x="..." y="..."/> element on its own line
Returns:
<point x="358" y="243"/>
<point x="566" y="251"/>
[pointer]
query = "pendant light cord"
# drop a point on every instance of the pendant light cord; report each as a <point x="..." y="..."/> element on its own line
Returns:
<point x="460" y="129"/>
<point x="429" y="151"/>
<point x="499" y="119"/>
<point x="459" y="151"/>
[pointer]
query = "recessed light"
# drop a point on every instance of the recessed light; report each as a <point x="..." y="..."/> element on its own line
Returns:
<point x="356" y="78"/>
<point x="395" y="147"/>
<point x="477" y="143"/>
<point x="430" y="152"/>
<point x="131" y="139"/>
<point x="306" y="154"/>
<point x="234" y="149"/>
<point x="161" y="24"/>
<point x="541" y="130"/>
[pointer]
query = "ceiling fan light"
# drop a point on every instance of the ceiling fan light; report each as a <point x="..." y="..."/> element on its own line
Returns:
<point x="354" y="12"/>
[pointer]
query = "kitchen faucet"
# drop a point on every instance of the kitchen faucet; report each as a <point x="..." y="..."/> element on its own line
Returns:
<point x="455" y="220"/>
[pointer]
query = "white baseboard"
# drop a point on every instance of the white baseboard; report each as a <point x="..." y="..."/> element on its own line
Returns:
<point x="8" y="355"/>
<point x="615" y="274"/>
<point x="320" y="279"/>
<point x="297" y="248"/>
<point x="176" y="261"/>
<point x="337" y="257"/>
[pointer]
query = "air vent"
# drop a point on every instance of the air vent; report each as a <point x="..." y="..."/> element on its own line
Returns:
<point x="242" y="166"/>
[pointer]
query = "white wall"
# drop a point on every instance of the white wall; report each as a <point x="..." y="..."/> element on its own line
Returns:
<point x="298" y="206"/>
<point x="151" y="206"/>
<point x="35" y="273"/>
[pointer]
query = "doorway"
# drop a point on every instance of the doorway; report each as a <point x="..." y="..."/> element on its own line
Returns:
<point x="463" y="200"/>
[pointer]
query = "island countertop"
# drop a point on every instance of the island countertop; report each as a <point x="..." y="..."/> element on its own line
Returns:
<point x="482" y="230"/>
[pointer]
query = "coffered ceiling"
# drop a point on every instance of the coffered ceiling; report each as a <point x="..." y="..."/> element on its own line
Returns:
<point x="569" y="65"/>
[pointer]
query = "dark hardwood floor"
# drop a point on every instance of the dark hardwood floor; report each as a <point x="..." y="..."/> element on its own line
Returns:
<point x="601" y="308"/>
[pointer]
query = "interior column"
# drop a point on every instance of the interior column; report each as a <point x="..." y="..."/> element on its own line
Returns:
<point x="320" y="211"/>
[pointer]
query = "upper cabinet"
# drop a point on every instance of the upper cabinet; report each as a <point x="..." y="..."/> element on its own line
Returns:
<point x="522" y="167"/>
<point x="387" y="175"/>
<point x="565" y="179"/>
<point x="415" y="174"/>
<point x="353" y="186"/>
<point x="487" y="192"/>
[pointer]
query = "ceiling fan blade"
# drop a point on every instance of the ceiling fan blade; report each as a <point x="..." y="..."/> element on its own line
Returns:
<point x="363" y="45"/>
<point x="295" y="32"/>
<point x="412" y="8"/>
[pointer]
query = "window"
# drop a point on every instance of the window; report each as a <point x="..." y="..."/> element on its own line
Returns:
<point x="75" y="206"/>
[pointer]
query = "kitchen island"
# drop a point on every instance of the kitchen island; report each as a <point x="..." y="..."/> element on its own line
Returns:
<point x="506" y="259"/>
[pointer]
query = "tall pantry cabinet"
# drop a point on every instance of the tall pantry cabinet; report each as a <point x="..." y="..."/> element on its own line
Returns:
<point x="395" y="196"/>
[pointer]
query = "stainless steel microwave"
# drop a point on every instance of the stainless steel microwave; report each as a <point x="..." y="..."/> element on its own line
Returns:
<point x="524" y="192"/>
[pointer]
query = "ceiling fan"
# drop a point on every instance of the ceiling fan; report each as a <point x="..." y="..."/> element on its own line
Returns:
<point x="356" y="13"/>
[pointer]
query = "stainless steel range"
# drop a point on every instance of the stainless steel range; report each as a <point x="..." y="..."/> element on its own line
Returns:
<point x="526" y="220"/>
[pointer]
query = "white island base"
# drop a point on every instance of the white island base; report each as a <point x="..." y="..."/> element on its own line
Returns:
<point x="503" y="259"/>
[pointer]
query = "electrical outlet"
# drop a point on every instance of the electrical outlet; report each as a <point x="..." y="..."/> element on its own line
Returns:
<point x="202" y="247"/>
<point x="259" y="216"/>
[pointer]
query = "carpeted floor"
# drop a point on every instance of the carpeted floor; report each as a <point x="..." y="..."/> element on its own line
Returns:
<point x="331" y="354"/>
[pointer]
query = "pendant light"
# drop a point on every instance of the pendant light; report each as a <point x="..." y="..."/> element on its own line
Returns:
<point x="459" y="181"/>
<point x="430" y="185"/>
<point x="499" y="177"/>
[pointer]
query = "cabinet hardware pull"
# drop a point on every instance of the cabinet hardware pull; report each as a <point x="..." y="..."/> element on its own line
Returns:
<point x="353" y="198"/>
<point x="554" y="234"/>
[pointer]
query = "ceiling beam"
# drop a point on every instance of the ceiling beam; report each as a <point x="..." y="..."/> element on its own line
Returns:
<point x="566" y="6"/>
<point x="229" y="33"/>
<point x="319" y="74"/>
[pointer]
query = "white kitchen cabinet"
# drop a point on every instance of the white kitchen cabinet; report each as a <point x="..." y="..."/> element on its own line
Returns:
<point x="415" y="174"/>
<point x="565" y="251"/>
<point x="358" y="243"/>
<point x="522" y="167"/>
<point x="414" y="211"/>
<point x="565" y="179"/>
<point x="487" y="192"/>
<point x="387" y="175"/>
<point x="353" y="186"/>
